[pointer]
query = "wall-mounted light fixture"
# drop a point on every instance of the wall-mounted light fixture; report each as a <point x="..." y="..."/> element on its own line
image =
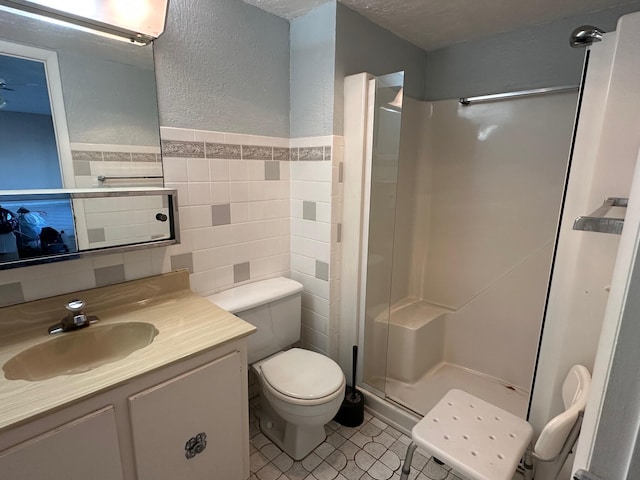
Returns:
<point x="137" y="21"/>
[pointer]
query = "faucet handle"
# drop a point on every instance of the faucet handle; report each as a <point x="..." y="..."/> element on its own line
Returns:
<point x="75" y="306"/>
<point x="75" y="319"/>
<point x="76" y="316"/>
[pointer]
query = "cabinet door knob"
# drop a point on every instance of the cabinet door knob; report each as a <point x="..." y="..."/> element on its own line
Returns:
<point x="195" y="445"/>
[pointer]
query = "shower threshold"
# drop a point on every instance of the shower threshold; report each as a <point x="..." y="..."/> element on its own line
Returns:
<point x="423" y="395"/>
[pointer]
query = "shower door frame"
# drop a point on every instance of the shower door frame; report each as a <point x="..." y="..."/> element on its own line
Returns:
<point x="359" y="123"/>
<point x="370" y="151"/>
<point x="364" y="254"/>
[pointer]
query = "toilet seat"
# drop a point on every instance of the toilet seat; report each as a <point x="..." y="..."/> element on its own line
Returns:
<point x="303" y="377"/>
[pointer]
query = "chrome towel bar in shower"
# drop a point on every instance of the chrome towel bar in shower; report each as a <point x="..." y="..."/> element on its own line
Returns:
<point x="599" y="222"/>
<point x="466" y="101"/>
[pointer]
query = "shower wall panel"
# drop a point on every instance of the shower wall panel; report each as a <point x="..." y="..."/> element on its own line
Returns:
<point x="497" y="174"/>
<point x="487" y="187"/>
<point x="411" y="198"/>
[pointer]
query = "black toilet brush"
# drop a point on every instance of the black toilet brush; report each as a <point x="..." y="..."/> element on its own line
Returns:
<point x="351" y="413"/>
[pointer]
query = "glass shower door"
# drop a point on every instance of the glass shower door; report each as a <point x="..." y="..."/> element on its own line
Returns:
<point x="385" y="118"/>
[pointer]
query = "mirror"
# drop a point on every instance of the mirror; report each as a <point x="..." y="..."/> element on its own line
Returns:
<point x="77" y="110"/>
<point x="93" y="97"/>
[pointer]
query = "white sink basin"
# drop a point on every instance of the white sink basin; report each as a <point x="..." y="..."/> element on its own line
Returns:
<point x="76" y="352"/>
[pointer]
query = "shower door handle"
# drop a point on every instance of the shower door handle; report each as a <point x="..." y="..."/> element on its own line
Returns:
<point x="584" y="475"/>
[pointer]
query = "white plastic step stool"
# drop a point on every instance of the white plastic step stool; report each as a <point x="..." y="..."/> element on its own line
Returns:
<point x="475" y="438"/>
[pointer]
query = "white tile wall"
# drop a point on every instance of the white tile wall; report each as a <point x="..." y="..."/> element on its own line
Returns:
<point x="265" y="228"/>
<point x="312" y="241"/>
<point x="58" y="278"/>
<point x="257" y="230"/>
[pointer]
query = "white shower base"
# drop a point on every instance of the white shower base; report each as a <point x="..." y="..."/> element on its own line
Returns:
<point x="414" y="373"/>
<point x="422" y="396"/>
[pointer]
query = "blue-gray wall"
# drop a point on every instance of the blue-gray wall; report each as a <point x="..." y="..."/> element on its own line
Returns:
<point x="223" y="65"/>
<point x="363" y="46"/>
<point x="312" y="72"/>
<point x="531" y="57"/>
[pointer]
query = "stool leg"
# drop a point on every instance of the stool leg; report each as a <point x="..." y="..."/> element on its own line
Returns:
<point x="406" y="468"/>
<point x="528" y="465"/>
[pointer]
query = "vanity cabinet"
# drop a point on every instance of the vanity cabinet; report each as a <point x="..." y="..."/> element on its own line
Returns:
<point x="139" y="430"/>
<point x="188" y="427"/>
<point x="84" y="448"/>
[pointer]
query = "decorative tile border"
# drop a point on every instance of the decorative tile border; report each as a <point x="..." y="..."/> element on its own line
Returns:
<point x="116" y="157"/>
<point x="311" y="153"/>
<point x="90" y="156"/>
<point x="250" y="152"/>
<point x="233" y="151"/>
<point x="144" y="157"/>
<point x="282" y="154"/>
<point x="175" y="148"/>
<point x="114" y="153"/>
<point x="223" y="151"/>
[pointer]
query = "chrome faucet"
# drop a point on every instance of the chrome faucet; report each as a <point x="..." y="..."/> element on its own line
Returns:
<point x="75" y="319"/>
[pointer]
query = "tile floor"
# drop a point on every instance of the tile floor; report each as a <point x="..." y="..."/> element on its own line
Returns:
<point x="374" y="450"/>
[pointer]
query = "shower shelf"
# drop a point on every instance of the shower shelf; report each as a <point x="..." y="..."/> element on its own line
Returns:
<point x="599" y="222"/>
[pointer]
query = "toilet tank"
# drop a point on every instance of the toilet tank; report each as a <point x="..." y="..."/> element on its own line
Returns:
<point x="273" y="306"/>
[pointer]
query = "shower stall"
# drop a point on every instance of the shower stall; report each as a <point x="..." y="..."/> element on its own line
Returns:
<point x="460" y="207"/>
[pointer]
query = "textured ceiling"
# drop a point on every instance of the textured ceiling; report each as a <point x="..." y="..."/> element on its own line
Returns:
<point x="287" y="8"/>
<point x="436" y="23"/>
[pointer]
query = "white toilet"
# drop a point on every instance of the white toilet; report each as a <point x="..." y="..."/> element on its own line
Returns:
<point x="301" y="390"/>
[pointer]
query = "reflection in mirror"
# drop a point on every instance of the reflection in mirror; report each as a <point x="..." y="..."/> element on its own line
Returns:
<point x="102" y="104"/>
<point x="32" y="227"/>
<point x="30" y="154"/>
<point x="115" y="221"/>
<point x="39" y="227"/>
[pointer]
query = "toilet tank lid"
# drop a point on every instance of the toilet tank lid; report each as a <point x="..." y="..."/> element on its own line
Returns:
<point x="255" y="294"/>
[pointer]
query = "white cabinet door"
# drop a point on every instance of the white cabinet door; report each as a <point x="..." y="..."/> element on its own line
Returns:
<point x="86" y="448"/>
<point x="207" y="401"/>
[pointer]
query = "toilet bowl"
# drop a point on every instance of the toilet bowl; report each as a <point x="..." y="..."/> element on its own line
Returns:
<point x="300" y="390"/>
